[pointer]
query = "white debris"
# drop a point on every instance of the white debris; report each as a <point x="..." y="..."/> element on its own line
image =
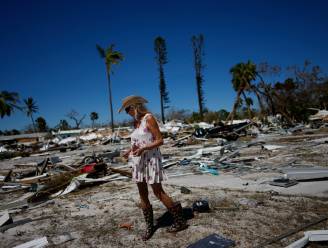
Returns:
<point x="36" y="243"/>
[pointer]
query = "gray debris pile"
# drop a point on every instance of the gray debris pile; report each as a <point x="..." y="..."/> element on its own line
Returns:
<point x="35" y="171"/>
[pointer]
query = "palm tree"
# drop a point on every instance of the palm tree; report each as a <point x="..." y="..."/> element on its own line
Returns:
<point x="93" y="116"/>
<point x="161" y="59"/>
<point x="63" y="125"/>
<point x="242" y="76"/>
<point x="41" y="124"/>
<point x="198" y="49"/>
<point x="110" y="57"/>
<point x="30" y="108"/>
<point x="8" y="102"/>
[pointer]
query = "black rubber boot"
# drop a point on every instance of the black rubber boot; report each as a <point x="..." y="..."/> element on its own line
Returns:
<point x="149" y="219"/>
<point x="179" y="222"/>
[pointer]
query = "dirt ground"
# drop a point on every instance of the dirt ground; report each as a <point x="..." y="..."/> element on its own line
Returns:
<point x="93" y="216"/>
<point x="249" y="216"/>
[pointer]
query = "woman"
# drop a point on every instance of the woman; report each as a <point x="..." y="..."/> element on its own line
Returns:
<point x="145" y="159"/>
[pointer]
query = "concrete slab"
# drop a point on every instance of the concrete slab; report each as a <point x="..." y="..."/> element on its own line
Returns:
<point x="309" y="188"/>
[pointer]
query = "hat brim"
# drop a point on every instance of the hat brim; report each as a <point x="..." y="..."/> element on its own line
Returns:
<point x="131" y="100"/>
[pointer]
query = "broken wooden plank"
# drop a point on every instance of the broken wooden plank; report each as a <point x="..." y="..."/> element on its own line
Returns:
<point x="22" y="222"/>
<point x="182" y="138"/>
<point x="299" y="243"/>
<point x="5" y="218"/>
<point x="8" y="176"/>
<point x="232" y="154"/>
<point x="285" y="235"/>
<point x="306" y="173"/>
<point x="36" y="243"/>
<point x="19" y="203"/>
<point x="44" y="166"/>
<point x="32" y="179"/>
<point x="122" y="172"/>
<point x="170" y="164"/>
<point x="317" y="235"/>
<point x="60" y="239"/>
<point x="66" y="167"/>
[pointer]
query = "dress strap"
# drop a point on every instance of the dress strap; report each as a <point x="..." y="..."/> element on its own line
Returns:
<point x="145" y="116"/>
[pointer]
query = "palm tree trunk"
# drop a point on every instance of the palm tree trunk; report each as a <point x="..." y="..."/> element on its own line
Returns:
<point x="235" y="105"/>
<point x="248" y="106"/>
<point x="162" y="110"/>
<point x="110" y="100"/>
<point x="262" y="110"/>
<point x="33" y="123"/>
<point x="161" y="79"/>
<point x="199" y="93"/>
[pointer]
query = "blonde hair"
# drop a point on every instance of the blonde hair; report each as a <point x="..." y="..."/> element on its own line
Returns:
<point x="140" y="110"/>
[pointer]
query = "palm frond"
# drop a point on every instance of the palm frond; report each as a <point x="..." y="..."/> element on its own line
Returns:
<point x="101" y="51"/>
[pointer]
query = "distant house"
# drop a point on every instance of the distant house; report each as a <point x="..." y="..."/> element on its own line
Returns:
<point x="25" y="139"/>
<point x="67" y="133"/>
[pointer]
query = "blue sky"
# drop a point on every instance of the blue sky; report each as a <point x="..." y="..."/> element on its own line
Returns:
<point x="48" y="49"/>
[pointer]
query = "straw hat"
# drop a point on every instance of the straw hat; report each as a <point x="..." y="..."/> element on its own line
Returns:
<point x="131" y="100"/>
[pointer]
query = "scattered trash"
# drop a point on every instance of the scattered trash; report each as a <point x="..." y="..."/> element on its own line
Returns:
<point x="36" y="243"/>
<point x="248" y="202"/>
<point x="245" y="151"/>
<point x="213" y="241"/>
<point x="185" y="190"/>
<point x="201" y="206"/>
<point x="61" y="239"/>
<point x="283" y="182"/>
<point x="127" y="226"/>
<point x="306" y="173"/>
<point x="5" y="218"/>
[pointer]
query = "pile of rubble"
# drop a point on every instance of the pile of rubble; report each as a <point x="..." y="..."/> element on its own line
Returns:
<point x="244" y="155"/>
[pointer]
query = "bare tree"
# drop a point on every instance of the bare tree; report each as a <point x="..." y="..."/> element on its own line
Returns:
<point x="198" y="49"/>
<point x="75" y="116"/>
<point x="161" y="59"/>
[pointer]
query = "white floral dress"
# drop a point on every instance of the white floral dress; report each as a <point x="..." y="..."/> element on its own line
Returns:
<point x="147" y="167"/>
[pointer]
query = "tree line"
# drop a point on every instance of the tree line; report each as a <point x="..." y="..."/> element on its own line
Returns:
<point x="293" y="95"/>
<point x="10" y="101"/>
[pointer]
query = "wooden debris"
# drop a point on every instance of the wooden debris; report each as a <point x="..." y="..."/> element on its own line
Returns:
<point x="122" y="172"/>
<point x="36" y="243"/>
<point x="22" y="222"/>
<point x="280" y="237"/>
<point x="5" y="219"/>
<point x="127" y="226"/>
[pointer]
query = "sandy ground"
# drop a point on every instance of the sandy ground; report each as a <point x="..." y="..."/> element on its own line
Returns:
<point x="244" y="207"/>
<point x="93" y="216"/>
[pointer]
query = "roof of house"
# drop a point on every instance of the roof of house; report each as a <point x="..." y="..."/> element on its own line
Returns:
<point x="23" y="136"/>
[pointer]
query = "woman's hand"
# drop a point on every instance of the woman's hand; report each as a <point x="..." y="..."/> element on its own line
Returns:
<point x="138" y="151"/>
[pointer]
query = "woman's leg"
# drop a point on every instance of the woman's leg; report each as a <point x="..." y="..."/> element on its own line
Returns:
<point x="147" y="210"/>
<point x="179" y="222"/>
<point x="143" y="192"/>
<point x="161" y="195"/>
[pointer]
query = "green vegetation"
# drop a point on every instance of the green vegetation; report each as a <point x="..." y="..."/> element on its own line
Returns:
<point x="41" y="124"/>
<point x="8" y="102"/>
<point x="111" y="57"/>
<point x="30" y="108"/>
<point x="93" y="117"/>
